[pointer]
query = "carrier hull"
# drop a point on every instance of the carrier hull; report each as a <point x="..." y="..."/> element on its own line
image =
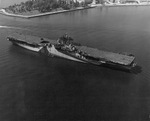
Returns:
<point x="92" y="56"/>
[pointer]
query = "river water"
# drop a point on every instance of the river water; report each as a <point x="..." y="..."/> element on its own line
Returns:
<point x="34" y="87"/>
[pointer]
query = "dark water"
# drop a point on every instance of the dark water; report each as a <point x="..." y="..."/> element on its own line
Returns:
<point x="37" y="88"/>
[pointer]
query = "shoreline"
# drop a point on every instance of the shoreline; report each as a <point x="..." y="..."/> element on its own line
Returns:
<point x="119" y="5"/>
<point x="125" y="5"/>
<point x="3" y="11"/>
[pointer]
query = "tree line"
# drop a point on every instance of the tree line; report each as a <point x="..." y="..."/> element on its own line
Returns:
<point x="45" y="5"/>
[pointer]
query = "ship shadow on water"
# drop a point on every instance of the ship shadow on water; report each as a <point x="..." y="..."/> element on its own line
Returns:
<point x="136" y="70"/>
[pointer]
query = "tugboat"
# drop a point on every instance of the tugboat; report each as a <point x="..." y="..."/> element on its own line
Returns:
<point x="64" y="47"/>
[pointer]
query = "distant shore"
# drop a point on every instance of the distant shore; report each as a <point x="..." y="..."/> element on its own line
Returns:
<point x="120" y="4"/>
<point x="4" y="12"/>
<point x="127" y="4"/>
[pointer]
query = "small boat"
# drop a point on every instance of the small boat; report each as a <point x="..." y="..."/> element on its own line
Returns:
<point x="64" y="47"/>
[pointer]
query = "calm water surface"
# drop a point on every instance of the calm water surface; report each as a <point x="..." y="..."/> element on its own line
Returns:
<point x="37" y="88"/>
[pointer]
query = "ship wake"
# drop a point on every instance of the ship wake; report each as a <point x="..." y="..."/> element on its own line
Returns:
<point x="9" y="27"/>
<point x="6" y="27"/>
